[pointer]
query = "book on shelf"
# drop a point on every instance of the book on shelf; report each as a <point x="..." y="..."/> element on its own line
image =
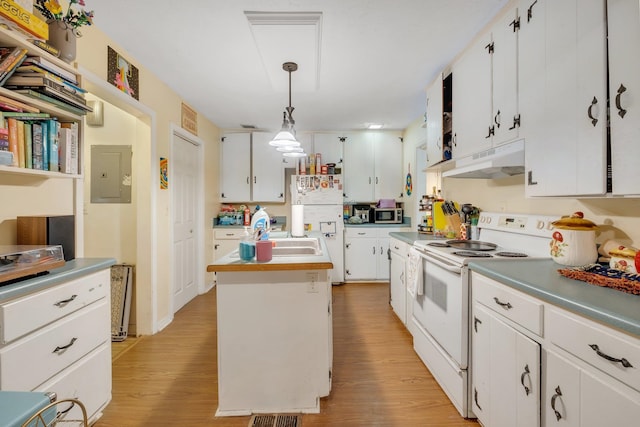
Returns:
<point x="8" y="55"/>
<point x="33" y="69"/>
<point x="46" y="47"/>
<point x="24" y="116"/>
<point x="18" y="104"/>
<point x="15" y="17"/>
<point x="44" y="83"/>
<point x="37" y="151"/>
<point x="60" y="104"/>
<point x="4" y="139"/>
<point x="51" y="67"/>
<point x="68" y="148"/>
<point x="28" y="141"/>
<point x="53" y="147"/>
<point x="11" y="67"/>
<point x="12" y="126"/>
<point x="20" y="139"/>
<point x="9" y="108"/>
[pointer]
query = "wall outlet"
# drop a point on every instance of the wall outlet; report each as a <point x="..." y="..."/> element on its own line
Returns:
<point x="312" y="286"/>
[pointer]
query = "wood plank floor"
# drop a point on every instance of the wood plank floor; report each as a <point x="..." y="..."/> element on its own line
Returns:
<point x="170" y="379"/>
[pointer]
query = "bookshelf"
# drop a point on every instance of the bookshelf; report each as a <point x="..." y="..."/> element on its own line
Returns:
<point x="14" y="38"/>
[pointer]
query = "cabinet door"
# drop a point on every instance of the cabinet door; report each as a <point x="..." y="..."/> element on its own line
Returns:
<point x="330" y="146"/>
<point x="397" y="286"/>
<point x="505" y="365"/>
<point x="561" y="400"/>
<point x="235" y="168"/>
<point x="360" y="258"/>
<point x="267" y="168"/>
<point x="624" y="86"/>
<point x="434" y="122"/>
<point x="564" y="106"/>
<point x="382" y="258"/>
<point x="359" y="164"/>
<point x="389" y="179"/>
<point x="504" y="70"/>
<point x="472" y="99"/>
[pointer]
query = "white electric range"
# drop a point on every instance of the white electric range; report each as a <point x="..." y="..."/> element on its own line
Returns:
<point x="441" y="307"/>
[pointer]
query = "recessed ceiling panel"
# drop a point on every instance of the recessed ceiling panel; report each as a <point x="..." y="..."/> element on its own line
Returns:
<point x="288" y="37"/>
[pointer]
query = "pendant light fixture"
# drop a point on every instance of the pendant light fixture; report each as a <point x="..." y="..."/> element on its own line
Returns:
<point x="287" y="135"/>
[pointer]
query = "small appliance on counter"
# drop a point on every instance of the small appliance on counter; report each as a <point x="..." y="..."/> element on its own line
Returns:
<point x="22" y="261"/>
<point x="362" y="212"/>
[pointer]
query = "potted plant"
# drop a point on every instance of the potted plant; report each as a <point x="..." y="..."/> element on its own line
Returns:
<point x="64" y="27"/>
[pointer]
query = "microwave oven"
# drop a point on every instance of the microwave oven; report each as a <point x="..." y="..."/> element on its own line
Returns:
<point x="387" y="215"/>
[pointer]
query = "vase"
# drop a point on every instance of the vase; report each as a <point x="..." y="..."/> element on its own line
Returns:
<point x="63" y="38"/>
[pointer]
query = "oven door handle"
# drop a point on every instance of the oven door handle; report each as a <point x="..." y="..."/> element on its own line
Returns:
<point x="441" y="263"/>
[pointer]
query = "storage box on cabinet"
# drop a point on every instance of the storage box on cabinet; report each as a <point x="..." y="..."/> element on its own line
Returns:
<point x="54" y="347"/>
<point x="614" y="353"/>
<point x="24" y="315"/>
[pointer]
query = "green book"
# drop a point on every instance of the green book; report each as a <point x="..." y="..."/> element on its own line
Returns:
<point x="28" y="147"/>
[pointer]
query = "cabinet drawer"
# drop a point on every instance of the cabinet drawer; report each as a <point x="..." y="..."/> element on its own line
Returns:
<point x="510" y="303"/>
<point x="360" y="232"/>
<point x="399" y="247"/>
<point x="80" y="332"/>
<point x="26" y="314"/>
<point x="577" y="335"/>
<point x="228" y="234"/>
<point x="88" y="380"/>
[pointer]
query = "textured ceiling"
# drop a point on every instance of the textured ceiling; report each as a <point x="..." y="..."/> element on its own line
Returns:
<point x="363" y="61"/>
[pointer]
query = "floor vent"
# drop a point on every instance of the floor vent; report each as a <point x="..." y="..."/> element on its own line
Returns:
<point x="275" y="421"/>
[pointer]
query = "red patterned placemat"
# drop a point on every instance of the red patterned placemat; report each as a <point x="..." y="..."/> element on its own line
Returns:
<point x="606" y="277"/>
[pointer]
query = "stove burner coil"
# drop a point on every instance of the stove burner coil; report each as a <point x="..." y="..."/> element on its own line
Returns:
<point x="472" y="254"/>
<point x="439" y="245"/>
<point x="511" y="254"/>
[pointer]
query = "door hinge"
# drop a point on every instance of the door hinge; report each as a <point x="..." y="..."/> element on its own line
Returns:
<point x="530" y="180"/>
<point x="342" y="138"/>
<point x="223" y="138"/>
<point x="489" y="47"/>
<point x="516" y="24"/>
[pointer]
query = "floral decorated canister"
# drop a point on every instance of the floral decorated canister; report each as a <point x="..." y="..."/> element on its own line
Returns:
<point x="573" y="242"/>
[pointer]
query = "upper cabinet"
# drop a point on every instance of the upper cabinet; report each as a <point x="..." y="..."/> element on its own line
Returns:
<point x="435" y="116"/>
<point x="250" y="169"/>
<point x="372" y="166"/>
<point x="328" y="145"/>
<point x="485" y="93"/>
<point x="563" y="96"/>
<point x="624" y="86"/>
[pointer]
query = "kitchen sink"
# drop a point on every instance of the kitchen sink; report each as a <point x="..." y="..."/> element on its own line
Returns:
<point x="302" y="246"/>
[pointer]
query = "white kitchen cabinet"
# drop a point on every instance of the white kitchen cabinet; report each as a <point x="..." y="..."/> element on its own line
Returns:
<point x="399" y="252"/>
<point x="576" y="395"/>
<point x="373" y="166"/>
<point x="329" y="145"/>
<point x="366" y="253"/>
<point x="563" y="96"/>
<point x="250" y="169"/>
<point x="434" y="122"/>
<point x="624" y="86"/>
<point x="505" y="372"/>
<point x="472" y="99"/>
<point x="226" y="240"/>
<point x="59" y="339"/>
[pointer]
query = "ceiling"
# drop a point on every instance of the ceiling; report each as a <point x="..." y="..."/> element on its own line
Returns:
<point x="359" y="61"/>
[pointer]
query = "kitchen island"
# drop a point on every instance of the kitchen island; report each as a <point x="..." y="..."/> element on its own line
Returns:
<point x="275" y="336"/>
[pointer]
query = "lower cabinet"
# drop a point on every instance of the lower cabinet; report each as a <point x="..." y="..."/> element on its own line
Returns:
<point x="366" y="253"/>
<point x="225" y="241"/>
<point x="399" y="251"/>
<point x="59" y="339"/>
<point x="536" y="364"/>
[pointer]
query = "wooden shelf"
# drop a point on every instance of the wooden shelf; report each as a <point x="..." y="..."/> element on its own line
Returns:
<point x="12" y="170"/>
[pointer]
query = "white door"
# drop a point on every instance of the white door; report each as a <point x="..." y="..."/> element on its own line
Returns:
<point x="184" y="184"/>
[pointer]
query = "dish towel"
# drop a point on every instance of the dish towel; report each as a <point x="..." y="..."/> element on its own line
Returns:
<point x="414" y="273"/>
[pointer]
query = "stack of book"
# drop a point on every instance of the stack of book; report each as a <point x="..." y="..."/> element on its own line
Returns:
<point x="38" y="141"/>
<point x="39" y="78"/>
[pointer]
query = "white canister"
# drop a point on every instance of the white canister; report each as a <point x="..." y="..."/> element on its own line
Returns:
<point x="574" y="241"/>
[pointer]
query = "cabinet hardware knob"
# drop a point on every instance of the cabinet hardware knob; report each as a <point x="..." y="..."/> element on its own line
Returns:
<point x="496" y="119"/>
<point x="621" y="111"/>
<point x="589" y="114"/>
<point x="526" y="373"/>
<point x="65" y="301"/>
<point x="475" y="398"/>
<point x="505" y="305"/>
<point x="530" y="11"/>
<point x="624" y="362"/>
<point x="553" y="403"/>
<point x="64" y="347"/>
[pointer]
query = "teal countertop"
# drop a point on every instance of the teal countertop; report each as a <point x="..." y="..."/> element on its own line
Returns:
<point x="540" y="279"/>
<point x="70" y="270"/>
<point x="410" y="237"/>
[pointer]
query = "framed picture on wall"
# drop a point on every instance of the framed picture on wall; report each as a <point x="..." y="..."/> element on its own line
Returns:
<point x="122" y="74"/>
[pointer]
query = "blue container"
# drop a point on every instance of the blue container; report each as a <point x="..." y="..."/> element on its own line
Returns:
<point x="247" y="250"/>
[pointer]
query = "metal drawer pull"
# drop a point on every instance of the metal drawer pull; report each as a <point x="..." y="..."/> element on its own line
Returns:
<point x="505" y="305"/>
<point x="475" y="323"/>
<point x="553" y="403"/>
<point x="64" y="347"/>
<point x="527" y="373"/>
<point x="623" y="361"/>
<point x="593" y="119"/>
<point x="621" y="111"/>
<point x="475" y="398"/>
<point x="65" y="301"/>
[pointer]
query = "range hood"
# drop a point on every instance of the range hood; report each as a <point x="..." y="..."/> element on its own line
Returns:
<point x="497" y="162"/>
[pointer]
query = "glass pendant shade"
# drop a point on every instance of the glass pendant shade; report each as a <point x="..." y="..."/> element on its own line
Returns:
<point x="294" y="154"/>
<point x="289" y="149"/>
<point x="284" y="138"/>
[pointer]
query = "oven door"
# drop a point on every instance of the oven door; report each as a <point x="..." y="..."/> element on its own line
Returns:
<point x="442" y="309"/>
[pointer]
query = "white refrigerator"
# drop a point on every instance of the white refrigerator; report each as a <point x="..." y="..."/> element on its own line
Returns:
<point x="322" y="198"/>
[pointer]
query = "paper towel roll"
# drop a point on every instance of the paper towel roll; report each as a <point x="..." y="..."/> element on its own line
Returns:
<point x="297" y="220"/>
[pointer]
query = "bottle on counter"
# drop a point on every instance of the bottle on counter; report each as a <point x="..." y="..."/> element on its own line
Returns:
<point x="260" y="224"/>
<point x="246" y="216"/>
